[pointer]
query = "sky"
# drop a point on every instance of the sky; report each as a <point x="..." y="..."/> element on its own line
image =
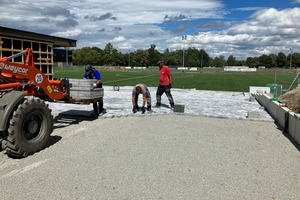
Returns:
<point x="222" y="28"/>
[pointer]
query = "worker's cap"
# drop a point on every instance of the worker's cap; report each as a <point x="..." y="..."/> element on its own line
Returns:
<point x="160" y="61"/>
<point x="88" y="68"/>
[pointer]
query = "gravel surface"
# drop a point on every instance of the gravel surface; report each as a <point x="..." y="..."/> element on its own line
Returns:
<point x="166" y="156"/>
<point x="196" y="102"/>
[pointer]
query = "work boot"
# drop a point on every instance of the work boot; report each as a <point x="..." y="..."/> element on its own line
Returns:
<point x="134" y="109"/>
<point x="143" y="110"/>
<point x="172" y="107"/>
<point x="157" y="105"/>
<point x="95" y="114"/>
<point x="149" y="109"/>
<point x="95" y="108"/>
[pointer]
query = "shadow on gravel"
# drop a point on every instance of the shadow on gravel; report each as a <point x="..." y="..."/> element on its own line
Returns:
<point x="288" y="136"/>
<point x="70" y="117"/>
<point x="53" y="139"/>
<point x="165" y="105"/>
<point x="284" y="132"/>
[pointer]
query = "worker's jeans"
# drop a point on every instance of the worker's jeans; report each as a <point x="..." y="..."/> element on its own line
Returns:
<point x="98" y="108"/>
<point x="164" y="89"/>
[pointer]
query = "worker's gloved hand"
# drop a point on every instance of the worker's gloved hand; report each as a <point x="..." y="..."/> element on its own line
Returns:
<point x="95" y="85"/>
<point x="143" y="110"/>
<point x="170" y="85"/>
<point x="134" y="109"/>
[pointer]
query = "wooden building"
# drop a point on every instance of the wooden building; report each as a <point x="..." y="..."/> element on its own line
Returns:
<point x="13" y="41"/>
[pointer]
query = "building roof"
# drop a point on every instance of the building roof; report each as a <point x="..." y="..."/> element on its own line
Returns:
<point x="56" y="41"/>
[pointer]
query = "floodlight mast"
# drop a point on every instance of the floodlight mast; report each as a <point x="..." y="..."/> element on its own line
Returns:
<point x="129" y="58"/>
<point x="183" y="38"/>
<point x="291" y="59"/>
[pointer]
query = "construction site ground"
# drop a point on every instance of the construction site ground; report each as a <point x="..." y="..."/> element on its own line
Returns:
<point x="211" y="151"/>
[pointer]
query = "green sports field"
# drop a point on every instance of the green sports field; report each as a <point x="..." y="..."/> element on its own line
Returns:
<point x="217" y="80"/>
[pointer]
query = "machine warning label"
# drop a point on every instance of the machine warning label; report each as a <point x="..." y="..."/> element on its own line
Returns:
<point x="39" y="78"/>
<point x="13" y="68"/>
<point x="49" y="89"/>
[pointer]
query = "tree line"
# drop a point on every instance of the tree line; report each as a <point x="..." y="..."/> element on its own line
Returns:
<point x="192" y="57"/>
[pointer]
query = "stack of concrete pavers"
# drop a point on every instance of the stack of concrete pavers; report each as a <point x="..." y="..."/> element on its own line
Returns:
<point x="83" y="89"/>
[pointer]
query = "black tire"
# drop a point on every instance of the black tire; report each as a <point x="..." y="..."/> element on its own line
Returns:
<point x="29" y="128"/>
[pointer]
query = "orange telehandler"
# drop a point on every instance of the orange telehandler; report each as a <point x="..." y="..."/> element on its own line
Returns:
<point x="25" y="119"/>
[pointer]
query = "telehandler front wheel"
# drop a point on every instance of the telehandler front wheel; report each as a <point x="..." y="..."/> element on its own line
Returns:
<point x="29" y="128"/>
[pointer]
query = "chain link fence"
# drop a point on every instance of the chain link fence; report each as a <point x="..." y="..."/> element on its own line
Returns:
<point x="284" y="81"/>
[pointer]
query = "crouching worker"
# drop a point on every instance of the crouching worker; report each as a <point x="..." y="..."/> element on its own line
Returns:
<point x="141" y="89"/>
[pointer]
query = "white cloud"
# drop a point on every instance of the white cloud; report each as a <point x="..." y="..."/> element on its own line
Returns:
<point x="278" y="18"/>
<point x="118" y="39"/>
<point x="268" y="31"/>
<point x="69" y="33"/>
<point x="250" y="8"/>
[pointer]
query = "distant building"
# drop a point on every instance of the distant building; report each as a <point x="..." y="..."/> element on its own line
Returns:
<point x="62" y="57"/>
<point x="239" y="69"/>
<point x="13" y="41"/>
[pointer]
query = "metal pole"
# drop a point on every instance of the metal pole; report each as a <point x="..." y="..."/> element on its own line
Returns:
<point x="183" y="38"/>
<point x="275" y="86"/>
<point x="291" y="59"/>
<point x="182" y="52"/>
<point x="183" y="57"/>
<point x="67" y="57"/>
<point x="129" y="58"/>
<point x="201" y="58"/>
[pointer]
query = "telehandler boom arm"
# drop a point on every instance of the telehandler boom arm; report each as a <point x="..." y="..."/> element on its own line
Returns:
<point x="29" y="79"/>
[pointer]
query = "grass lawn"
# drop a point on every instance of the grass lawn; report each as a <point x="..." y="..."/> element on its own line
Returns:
<point x="217" y="81"/>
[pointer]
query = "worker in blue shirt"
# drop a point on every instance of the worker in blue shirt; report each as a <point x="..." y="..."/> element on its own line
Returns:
<point x="92" y="73"/>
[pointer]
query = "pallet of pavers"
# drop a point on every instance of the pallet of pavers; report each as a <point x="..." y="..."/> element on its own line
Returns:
<point x="82" y="90"/>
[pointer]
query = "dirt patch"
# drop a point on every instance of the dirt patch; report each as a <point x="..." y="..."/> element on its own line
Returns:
<point x="291" y="99"/>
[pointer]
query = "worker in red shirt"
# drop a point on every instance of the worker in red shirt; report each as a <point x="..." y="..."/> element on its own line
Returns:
<point x="165" y="84"/>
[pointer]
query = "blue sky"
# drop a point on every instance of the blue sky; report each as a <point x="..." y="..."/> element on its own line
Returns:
<point x="222" y="28"/>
